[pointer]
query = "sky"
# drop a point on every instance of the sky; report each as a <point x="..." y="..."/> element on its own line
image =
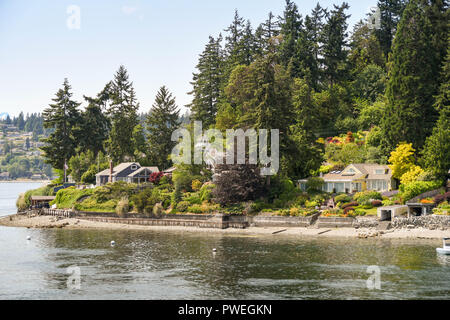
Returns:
<point x="158" y="41"/>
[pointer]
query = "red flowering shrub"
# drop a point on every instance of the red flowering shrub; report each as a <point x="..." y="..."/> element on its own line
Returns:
<point x="155" y="177"/>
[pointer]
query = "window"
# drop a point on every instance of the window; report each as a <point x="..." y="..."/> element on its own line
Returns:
<point x="351" y="170"/>
<point x="134" y="167"/>
<point x="379" y="171"/>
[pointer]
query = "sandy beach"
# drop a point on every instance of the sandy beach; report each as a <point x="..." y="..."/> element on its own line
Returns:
<point x="76" y="223"/>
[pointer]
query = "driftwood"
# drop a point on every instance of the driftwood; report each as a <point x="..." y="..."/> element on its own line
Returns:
<point x="276" y="232"/>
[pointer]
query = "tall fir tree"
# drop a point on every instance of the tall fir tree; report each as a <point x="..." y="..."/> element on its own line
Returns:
<point x="291" y="25"/>
<point x="308" y="47"/>
<point x="94" y="126"/>
<point x="162" y="120"/>
<point x="264" y="34"/>
<point x="390" y="13"/>
<point x="334" y="49"/>
<point x="436" y="153"/>
<point x="207" y="83"/>
<point x="123" y="114"/>
<point x="414" y="75"/>
<point x="63" y="117"/>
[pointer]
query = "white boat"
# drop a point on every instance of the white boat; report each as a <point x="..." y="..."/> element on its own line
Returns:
<point x="446" y="247"/>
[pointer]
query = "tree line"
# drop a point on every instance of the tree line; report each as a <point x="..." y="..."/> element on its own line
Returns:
<point x="109" y="128"/>
<point x="304" y="75"/>
<point x="311" y="78"/>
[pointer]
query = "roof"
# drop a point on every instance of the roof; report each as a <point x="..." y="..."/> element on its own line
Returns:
<point x="152" y="169"/>
<point x="361" y="171"/>
<point x="42" y="198"/>
<point x="117" y="169"/>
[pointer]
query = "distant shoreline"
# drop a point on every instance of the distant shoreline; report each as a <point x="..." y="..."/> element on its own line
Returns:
<point x="24" y="180"/>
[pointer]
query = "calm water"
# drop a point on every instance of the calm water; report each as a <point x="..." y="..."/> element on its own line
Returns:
<point x="158" y="265"/>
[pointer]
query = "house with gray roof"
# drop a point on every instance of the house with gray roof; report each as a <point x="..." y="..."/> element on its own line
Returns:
<point x="357" y="177"/>
<point x="131" y="172"/>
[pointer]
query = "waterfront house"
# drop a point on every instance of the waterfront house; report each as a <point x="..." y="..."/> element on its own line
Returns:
<point x="355" y="178"/>
<point x="131" y="172"/>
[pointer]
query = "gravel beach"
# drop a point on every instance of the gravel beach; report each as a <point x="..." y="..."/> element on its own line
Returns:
<point x="75" y="223"/>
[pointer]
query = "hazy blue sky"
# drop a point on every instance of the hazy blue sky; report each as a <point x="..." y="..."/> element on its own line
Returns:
<point x="157" y="41"/>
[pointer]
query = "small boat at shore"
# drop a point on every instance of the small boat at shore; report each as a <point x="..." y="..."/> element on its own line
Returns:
<point x="445" y="248"/>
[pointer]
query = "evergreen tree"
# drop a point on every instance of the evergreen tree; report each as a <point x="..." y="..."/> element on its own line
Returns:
<point x="390" y="13"/>
<point x="414" y="75"/>
<point x="365" y="48"/>
<point x="334" y="48"/>
<point x="436" y="153"/>
<point x="291" y="24"/>
<point x="123" y="114"/>
<point x="207" y="83"/>
<point x="20" y="122"/>
<point x="162" y="120"/>
<point x="265" y="33"/>
<point x="62" y="116"/>
<point x="94" y="127"/>
<point x="237" y="34"/>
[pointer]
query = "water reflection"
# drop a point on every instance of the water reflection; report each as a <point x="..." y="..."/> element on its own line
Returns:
<point x="159" y="265"/>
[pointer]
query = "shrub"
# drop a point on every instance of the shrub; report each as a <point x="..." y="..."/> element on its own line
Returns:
<point x="314" y="185"/>
<point x="183" y="206"/>
<point x="165" y="180"/>
<point x="196" y="185"/>
<point x="21" y="203"/>
<point x="359" y="212"/>
<point x="343" y="198"/>
<point x="366" y="196"/>
<point x="348" y="209"/>
<point x="350" y="204"/>
<point x="122" y="207"/>
<point x="156" y="177"/>
<point x="145" y="200"/>
<point x="442" y="197"/>
<point x="416" y="188"/>
<point x="205" y="192"/>
<point x="388" y="202"/>
<point x="193" y="199"/>
<point x="311" y="204"/>
<point x="195" y="209"/>
<point x="158" y="209"/>
<point x="300" y="200"/>
<point x="377" y="203"/>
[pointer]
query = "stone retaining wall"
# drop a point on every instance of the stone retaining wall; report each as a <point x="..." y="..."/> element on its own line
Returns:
<point x="221" y="221"/>
<point x="335" y="222"/>
<point x="279" y="221"/>
<point x="365" y="222"/>
<point x="431" y="222"/>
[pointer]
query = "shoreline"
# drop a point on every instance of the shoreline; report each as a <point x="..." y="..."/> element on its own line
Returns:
<point x="49" y="222"/>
